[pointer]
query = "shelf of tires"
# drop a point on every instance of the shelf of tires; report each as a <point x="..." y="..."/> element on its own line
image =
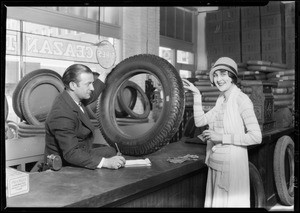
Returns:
<point x="35" y="93"/>
<point x="270" y="85"/>
<point x="32" y="100"/>
<point x="209" y="93"/>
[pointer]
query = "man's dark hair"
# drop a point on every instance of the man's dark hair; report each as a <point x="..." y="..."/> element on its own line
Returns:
<point x="72" y="72"/>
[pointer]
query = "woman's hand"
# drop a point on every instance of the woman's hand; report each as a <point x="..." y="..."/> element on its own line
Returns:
<point x="190" y="86"/>
<point x="212" y="135"/>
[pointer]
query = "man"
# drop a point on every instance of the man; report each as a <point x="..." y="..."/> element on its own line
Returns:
<point x="69" y="131"/>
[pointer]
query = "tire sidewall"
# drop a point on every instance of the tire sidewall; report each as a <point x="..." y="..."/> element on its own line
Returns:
<point x="125" y="70"/>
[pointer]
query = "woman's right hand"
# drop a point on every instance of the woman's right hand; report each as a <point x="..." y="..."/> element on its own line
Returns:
<point x="190" y="86"/>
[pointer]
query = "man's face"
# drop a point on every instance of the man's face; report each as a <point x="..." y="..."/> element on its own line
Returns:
<point x="84" y="87"/>
<point x="222" y="80"/>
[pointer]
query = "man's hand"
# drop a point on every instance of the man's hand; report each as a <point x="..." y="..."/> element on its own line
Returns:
<point x="189" y="86"/>
<point x="115" y="162"/>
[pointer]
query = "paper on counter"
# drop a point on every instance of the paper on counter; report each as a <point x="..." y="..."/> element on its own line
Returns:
<point x="138" y="162"/>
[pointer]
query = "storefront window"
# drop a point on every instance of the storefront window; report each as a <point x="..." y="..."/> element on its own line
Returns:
<point x="167" y="54"/>
<point x="185" y="73"/>
<point x="184" y="57"/>
<point x="45" y="47"/>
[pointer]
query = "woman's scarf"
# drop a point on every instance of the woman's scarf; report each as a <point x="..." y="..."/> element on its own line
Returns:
<point x="233" y="124"/>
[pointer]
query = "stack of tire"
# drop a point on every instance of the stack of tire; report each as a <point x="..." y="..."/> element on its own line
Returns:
<point x="32" y="100"/>
<point x="189" y="97"/>
<point x="283" y="92"/>
<point x="125" y="105"/>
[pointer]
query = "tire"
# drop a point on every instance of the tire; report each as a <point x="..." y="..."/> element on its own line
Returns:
<point x="120" y="111"/>
<point x="128" y="108"/>
<point x="23" y="125"/>
<point x="284" y="151"/>
<point x="257" y="192"/>
<point x="37" y="116"/>
<point x="14" y="128"/>
<point x="28" y="77"/>
<point x="172" y="112"/>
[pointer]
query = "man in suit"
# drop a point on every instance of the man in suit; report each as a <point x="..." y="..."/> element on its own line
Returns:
<point x="69" y="131"/>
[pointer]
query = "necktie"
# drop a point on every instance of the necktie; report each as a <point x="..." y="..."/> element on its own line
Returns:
<point x="80" y="106"/>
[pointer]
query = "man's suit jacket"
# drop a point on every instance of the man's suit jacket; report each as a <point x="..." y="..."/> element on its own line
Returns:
<point x="69" y="131"/>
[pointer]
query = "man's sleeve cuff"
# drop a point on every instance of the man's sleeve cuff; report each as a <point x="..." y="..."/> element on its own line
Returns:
<point x="101" y="163"/>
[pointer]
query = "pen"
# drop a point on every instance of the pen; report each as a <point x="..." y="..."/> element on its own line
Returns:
<point x="119" y="153"/>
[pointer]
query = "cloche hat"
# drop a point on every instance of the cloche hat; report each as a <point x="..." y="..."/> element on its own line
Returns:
<point x="223" y="63"/>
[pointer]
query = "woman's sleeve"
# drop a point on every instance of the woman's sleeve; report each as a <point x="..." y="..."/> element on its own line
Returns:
<point x="252" y="133"/>
<point x="201" y="118"/>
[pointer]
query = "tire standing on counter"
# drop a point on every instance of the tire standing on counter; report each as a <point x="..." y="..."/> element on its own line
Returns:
<point x="172" y="112"/>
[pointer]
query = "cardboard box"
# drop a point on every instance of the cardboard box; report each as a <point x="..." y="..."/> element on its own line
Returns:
<point x="231" y="14"/>
<point x="273" y="7"/>
<point x="289" y="34"/>
<point x="290" y="60"/>
<point x="214" y="27"/>
<point x="251" y="56"/>
<point x="17" y="182"/>
<point x="271" y="45"/>
<point x="229" y="37"/>
<point x="250" y="47"/>
<point x="275" y="56"/>
<point x="290" y="21"/>
<point x="213" y="38"/>
<point x="272" y="33"/>
<point x="231" y="25"/>
<point x="214" y="16"/>
<point x="247" y="12"/>
<point x="214" y="50"/>
<point x="250" y="36"/>
<point x="289" y="8"/>
<point x="271" y="21"/>
<point x="290" y="46"/>
<point x="251" y="23"/>
<point x="233" y="48"/>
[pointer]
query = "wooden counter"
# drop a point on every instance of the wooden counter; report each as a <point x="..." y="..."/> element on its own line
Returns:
<point x="163" y="184"/>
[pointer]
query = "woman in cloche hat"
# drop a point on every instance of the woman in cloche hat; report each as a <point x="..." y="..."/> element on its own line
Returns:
<point x="232" y="127"/>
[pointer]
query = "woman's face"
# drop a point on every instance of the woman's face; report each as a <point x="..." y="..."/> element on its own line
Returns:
<point x="222" y="80"/>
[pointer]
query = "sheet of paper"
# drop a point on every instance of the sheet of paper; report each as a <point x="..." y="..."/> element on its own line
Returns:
<point x="138" y="162"/>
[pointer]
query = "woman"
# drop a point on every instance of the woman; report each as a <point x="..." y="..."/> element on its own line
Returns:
<point x="232" y="127"/>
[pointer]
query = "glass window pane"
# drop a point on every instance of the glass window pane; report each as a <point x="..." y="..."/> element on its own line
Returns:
<point x="167" y="54"/>
<point x="171" y="22"/>
<point x="162" y="21"/>
<point x="93" y="13"/>
<point x="78" y="11"/>
<point x="12" y="24"/>
<point x="111" y="15"/>
<point x="13" y="43"/>
<point x="179" y="24"/>
<point x="188" y="31"/>
<point x="184" y="57"/>
<point x="185" y="73"/>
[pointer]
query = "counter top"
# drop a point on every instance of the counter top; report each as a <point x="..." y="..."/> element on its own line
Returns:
<point x="79" y="187"/>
